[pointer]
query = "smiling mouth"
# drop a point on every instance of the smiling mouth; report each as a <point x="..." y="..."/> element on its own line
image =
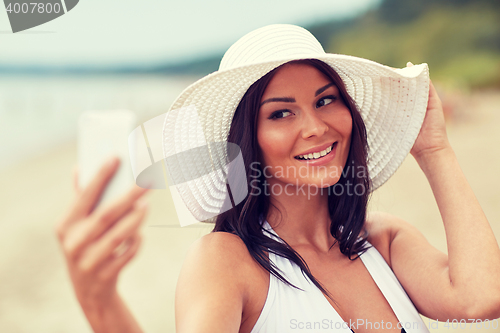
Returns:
<point x="318" y="155"/>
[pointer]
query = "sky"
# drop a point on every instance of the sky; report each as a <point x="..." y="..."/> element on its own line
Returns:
<point x="124" y="32"/>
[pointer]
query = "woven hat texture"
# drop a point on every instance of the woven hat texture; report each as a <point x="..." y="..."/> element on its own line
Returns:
<point x="392" y="103"/>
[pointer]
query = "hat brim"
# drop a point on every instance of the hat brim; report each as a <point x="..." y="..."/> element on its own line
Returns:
<point x="392" y="103"/>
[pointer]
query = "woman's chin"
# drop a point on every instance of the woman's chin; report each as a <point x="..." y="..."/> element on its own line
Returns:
<point x="325" y="182"/>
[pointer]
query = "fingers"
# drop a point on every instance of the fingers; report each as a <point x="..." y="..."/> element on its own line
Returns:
<point x="61" y="225"/>
<point x="105" y="246"/>
<point x="99" y="243"/>
<point x="432" y="88"/>
<point x="87" y="198"/>
<point x="434" y="100"/>
<point x="107" y="215"/>
<point x="78" y="236"/>
<point x="111" y="267"/>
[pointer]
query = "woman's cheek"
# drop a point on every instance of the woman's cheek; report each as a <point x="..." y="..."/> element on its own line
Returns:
<point x="275" y="145"/>
<point x="343" y="125"/>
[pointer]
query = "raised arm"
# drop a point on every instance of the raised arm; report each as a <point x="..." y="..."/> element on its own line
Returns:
<point x="465" y="284"/>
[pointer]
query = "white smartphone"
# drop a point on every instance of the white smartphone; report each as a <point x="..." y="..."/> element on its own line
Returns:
<point x="102" y="134"/>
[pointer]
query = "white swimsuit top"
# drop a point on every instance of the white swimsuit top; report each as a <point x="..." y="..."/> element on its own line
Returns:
<point x="291" y="310"/>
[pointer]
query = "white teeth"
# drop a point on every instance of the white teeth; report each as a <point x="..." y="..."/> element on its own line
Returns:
<point x="316" y="155"/>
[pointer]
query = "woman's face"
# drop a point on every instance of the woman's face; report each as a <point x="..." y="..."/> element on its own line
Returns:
<point x="303" y="129"/>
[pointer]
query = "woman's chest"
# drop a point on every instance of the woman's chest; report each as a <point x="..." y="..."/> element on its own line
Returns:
<point x="354" y="295"/>
<point x="356" y="301"/>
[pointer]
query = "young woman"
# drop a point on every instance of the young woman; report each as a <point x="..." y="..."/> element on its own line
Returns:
<point x="317" y="133"/>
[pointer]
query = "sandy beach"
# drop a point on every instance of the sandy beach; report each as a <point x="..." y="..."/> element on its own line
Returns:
<point x="36" y="295"/>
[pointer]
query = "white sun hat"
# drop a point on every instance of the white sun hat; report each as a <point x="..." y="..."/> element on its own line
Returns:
<point x="392" y="103"/>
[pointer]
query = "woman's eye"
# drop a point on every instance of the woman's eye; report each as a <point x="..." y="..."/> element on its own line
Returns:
<point x="325" y="101"/>
<point x="280" y="114"/>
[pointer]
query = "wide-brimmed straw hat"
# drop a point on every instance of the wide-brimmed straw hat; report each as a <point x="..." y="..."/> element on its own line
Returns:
<point x="392" y="103"/>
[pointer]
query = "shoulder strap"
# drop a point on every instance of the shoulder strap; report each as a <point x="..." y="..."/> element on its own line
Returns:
<point x="392" y="290"/>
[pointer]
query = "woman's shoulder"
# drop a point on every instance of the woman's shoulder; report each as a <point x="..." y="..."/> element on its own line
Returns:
<point x="216" y="271"/>
<point x="223" y="257"/>
<point x="220" y="248"/>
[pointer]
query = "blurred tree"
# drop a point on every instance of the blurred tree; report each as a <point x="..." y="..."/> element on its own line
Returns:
<point x="398" y="11"/>
<point x="459" y="39"/>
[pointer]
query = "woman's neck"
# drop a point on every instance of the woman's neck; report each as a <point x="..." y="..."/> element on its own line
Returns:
<point x="301" y="217"/>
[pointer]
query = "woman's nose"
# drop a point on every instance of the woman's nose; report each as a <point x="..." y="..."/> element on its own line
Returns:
<point x="312" y="125"/>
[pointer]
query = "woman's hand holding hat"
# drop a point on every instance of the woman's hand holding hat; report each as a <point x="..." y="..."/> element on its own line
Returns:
<point x="97" y="244"/>
<point x="432" y="136"/>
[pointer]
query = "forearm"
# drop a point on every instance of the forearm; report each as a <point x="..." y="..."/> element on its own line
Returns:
<point x="114" y="317"/>
<point x="473" y="252"/>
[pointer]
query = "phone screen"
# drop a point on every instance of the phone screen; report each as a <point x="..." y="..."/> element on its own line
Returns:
<point x="102" y="134"/>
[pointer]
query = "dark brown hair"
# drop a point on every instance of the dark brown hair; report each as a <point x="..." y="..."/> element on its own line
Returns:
<point x="347" y="212"/>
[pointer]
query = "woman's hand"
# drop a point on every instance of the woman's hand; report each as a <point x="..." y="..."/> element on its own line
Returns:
<point x="98" y="243"/>
<point x="432" y="136"/>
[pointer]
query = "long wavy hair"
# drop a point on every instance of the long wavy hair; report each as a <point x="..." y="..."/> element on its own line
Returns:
<point x="347" y="212"/>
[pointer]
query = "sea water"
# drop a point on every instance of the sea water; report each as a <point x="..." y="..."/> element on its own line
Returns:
<point x="39" y="113"/>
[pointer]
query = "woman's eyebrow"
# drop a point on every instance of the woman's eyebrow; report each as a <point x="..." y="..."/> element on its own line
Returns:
<point x="320" y="90"/>
<point x="279" y="99"/>
<point x="292" y="100"/>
